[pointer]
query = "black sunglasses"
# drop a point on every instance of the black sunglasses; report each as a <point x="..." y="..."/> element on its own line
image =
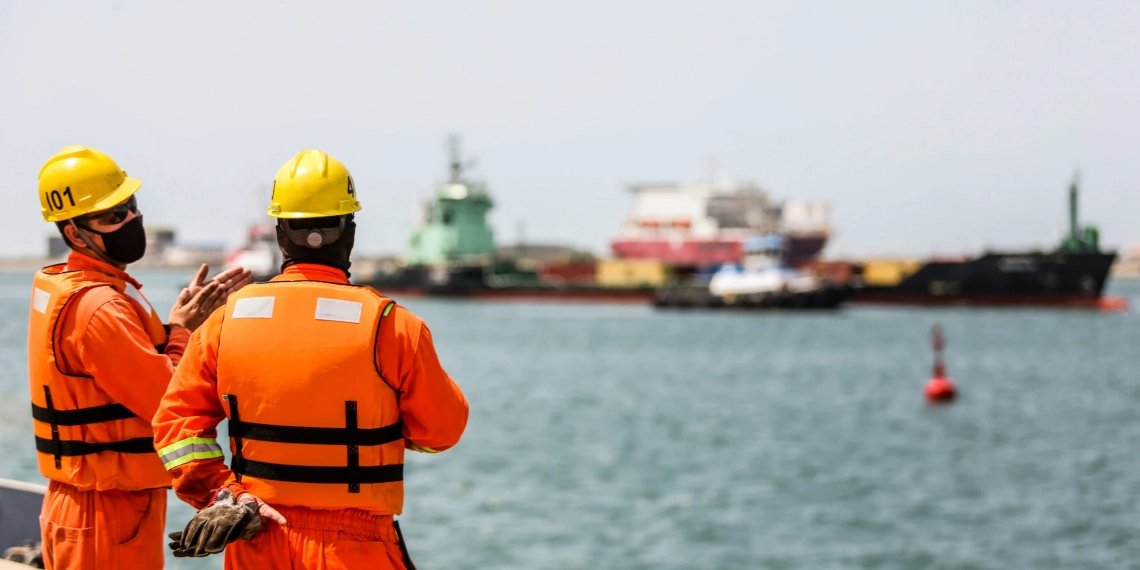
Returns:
<point x="115" y="215"/>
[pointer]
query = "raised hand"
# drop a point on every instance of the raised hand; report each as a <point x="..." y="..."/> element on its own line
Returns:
<point x="191" y="310"/>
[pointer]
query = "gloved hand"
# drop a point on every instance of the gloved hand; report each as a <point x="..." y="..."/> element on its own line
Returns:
<point x="220" y="523"/>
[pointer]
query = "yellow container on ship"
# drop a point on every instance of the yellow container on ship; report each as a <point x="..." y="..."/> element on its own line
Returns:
<point x="631" y="273"/>
<point x="888" y="272"/>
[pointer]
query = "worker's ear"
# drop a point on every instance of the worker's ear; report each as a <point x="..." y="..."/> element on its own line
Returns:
<point x="71" y="234"/>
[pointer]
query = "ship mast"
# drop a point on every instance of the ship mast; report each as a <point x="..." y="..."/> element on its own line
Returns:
<point x="456" y="161"/>
<point x="1079" y="240"/>
<point x="1074" y="229"/>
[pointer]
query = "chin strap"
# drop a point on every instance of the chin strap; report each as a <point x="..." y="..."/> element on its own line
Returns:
<point x="99" y="254"/>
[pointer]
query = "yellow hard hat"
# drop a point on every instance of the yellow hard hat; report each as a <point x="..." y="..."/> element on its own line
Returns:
<point x="80" y="180"/>
<point x="313" y="185"/>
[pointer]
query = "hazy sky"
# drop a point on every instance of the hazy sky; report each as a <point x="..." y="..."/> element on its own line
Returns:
<point x="927" y="125"/>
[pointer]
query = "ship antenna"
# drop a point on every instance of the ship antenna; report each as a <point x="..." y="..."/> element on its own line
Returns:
<point x="1074" y="189"/>
<point x="456" y="161"/>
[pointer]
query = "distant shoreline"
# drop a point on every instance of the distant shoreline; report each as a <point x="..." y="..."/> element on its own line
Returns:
<point x="1123" y="269"/>
<point x="27" y="265"/>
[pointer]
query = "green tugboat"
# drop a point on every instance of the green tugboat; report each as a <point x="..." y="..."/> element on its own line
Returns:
<point x="455" y="229"/>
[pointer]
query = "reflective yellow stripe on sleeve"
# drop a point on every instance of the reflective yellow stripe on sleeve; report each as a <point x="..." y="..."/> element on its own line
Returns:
<point x="188" y="450"/>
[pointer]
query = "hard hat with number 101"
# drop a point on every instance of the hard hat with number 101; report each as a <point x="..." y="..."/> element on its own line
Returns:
<point x="78" y="181"/>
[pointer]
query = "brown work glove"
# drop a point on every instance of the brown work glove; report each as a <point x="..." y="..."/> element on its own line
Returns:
<point x="222" y="522"/>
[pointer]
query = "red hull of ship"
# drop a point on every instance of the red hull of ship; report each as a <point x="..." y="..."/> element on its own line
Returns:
<point x="633" y="297"/>
<point x="1019" y="300"/>
<point x="800" y="249"/>
<point x="681" y="252"/>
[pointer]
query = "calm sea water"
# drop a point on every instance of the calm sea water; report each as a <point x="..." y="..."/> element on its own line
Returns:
<point x="620" y="437"/>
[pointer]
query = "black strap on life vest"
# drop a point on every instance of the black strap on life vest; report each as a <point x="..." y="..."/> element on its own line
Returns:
<point x="314" y="435"/>
<point x="68" y="448"/>
<point x="321" y="474"/>
<point x="350" y="436"/>
<point x="60" y="448"/>
<point x="353" y="450"/>
<point x="238" y="463"/>
<point x="82" y="416"/>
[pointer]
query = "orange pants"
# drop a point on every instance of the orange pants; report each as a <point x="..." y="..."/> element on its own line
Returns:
<point x="112" y="530"/>
<point x="316" y="539"/>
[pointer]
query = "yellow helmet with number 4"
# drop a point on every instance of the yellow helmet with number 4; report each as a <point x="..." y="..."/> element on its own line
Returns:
<point x="313" y="185"/>
<point x="80" y="180"/>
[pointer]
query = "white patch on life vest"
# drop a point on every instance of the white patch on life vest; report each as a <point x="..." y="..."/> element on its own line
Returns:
<point x="337" y="310"/>
<point x="253" y="308"/>
<point x="138" y="296"/>
<point x="40" y="300"/>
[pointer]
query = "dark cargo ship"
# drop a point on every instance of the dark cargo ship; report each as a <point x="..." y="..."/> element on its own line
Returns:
<point x="1073" y="275"/>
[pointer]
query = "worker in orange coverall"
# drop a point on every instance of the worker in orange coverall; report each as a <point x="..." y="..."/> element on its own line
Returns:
<point x="324" y="385"/>
<point x="99" y="361"/>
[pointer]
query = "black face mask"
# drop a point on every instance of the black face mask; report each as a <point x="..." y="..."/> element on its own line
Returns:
<point x="127" y="244"/>
<point x="335" y="254"/>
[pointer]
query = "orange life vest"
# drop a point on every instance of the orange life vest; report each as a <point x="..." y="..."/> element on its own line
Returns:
<point x="312" y="422"/>
<point x="83" y="437"/>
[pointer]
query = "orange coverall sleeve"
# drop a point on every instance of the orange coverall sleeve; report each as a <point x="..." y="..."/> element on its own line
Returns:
<point x="176" y="344"/>
<point x="432" y="406"/>
<point x="191" y="408"/>
<point x="116" y="350"/>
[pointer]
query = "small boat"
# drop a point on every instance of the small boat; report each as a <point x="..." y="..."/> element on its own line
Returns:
<point x="763" y="281"/>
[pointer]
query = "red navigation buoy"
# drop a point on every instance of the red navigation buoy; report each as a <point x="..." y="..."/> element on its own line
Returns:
<point x="939" y="389"/>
